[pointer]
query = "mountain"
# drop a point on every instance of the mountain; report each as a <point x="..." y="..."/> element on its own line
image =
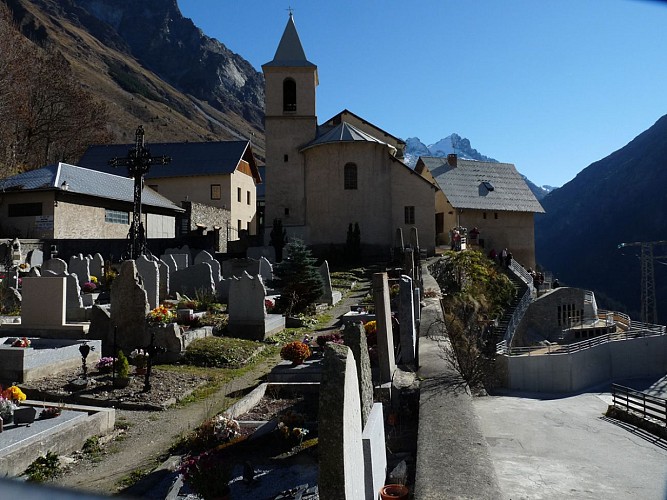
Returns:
<point x="618" y="199"/>
<point x="455" y="144"/>
<point x="151" y="66"/>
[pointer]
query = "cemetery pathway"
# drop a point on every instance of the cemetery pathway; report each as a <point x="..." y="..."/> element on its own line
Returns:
<point x="152" y="433"/>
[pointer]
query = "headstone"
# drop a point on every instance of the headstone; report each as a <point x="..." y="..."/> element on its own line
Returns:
<point x="236" y="267"/>
<point x="417" y="303"/>
<point x="265" y="269"/>
<point x="222" y="289"/>
<point x="355" y="338"/>
<point x="171" y="263"/>
<point x="342" y="466"/>
<point x="96" y="266"/>
<point x="385" y="335"/>
<point x="375" y="452"/>
<point x="204" y="256"/>
<point x="414" y="239"/>
<point x="37" y="312"/>
<point x="74" y="303"/>
<point x="150" y="279"/>
<point x="329" y="296"/>
<point x="192" y="280"/>
<point x="58" y="266"/>
<point x="256" y="252"/>
<point x="409" y="263"/>
<point x="79" y="265"/>
<point x="163" y="270"/>
<point x="246" y="300"/>
<point x="182" y="256"/>
<point x="406" y="318"/>
<point x="129" y="307"/>
<point x="35" y="258"/>
<point x="34" y="272"/>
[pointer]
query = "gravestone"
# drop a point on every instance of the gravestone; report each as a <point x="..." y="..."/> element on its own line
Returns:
<point x="37" y="312"/>
<point x="375" y="452"/>
<point x="247" y="310"/>
<point x="398" y="240"/>
<point x="35" y="258"/>
<point x="265" y="269"/>
<point x="129" y="307"/>
<point x="414" y="239"/>
<point x="216" y="269"/>
<point x="203" y="256"/>
<point x="329" y="295"/>
<point x="236" y="267"/>
<point x="354" y="336"/>
<point x="256" y="252"/>
<point x="192" y="280"/>
<point x="96" y="266"/>
<point x="57" y="266"/>
<point x="222" y="289"/>
<point x="409" y="263"/>
<point x="342" y="466"/>
<point x="163" y="273"/>
<point x="74" y="302"/>
<point x="150" y="278"/>
<point x="182" y="256"/>
<point x="406" y="318"/>
<point x="168" y="259"/>
<point x="386" y="357"/>
<point x="417" y="303"/>
<point x="79" y="265"/>
<point x="34" y="272"/>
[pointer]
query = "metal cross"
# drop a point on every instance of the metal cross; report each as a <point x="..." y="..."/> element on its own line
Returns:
<point x="138" y="163"/>
<point x="290" y="10"/>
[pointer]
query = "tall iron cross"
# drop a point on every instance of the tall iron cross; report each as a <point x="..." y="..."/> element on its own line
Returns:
<point x="138" y="163"/>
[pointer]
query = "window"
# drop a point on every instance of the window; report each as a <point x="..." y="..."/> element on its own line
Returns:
<point x="238" y="224"/>
<point x="495" y="215"/>
<point x="350" y="176"/>
<point x="216" y="192"/>
<point x="285" y="158"/>
<point x="484" y="215"/>
<point x="286" y="211"/>
<point x="289" y="95"/>
<point x="238" y="195"/>
<point x="24" y="209"/>
<point x="409" y="215"/>
<point x="116" y="216"/>
<point x="248" y="197"/>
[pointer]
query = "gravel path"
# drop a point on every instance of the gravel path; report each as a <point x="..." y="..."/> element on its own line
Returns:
<point x="150" y="434"/>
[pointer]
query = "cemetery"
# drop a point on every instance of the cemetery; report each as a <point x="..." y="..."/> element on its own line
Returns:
<point x="108" y="334"/>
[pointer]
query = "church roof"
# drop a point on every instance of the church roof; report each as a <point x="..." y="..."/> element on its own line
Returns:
<point x="344" y="132"/>
<point x="79" y="180"/>
<point x="482" y="185"/>
<point x="290" y="52"/>
<point x="187" y="158"/>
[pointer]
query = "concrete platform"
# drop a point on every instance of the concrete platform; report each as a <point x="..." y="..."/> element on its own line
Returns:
<point x="273" y="323"/>
<point x="21" y="445"/>
<point x="309" y="371"/>
<point x="71" y="331"/>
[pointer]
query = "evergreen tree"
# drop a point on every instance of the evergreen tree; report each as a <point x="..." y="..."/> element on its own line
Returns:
<point x="301" y="280"/>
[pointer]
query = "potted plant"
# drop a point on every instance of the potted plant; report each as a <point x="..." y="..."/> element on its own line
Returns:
<point x="160" y="316"/>
<point x="89" y="294"/>
<point x="296" y="352"/>
<point x="123" y="376"/>
<point x="139" y="359"/>
<point x="207" y="475"/>
<point x="394" y="492"/>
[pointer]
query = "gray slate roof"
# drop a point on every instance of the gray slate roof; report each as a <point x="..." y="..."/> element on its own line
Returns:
<point x="290" y="52"/>
<point x="344" y="132"/>
<point x="187" y="158"/>
<point x="85" y="182"/>
<point x="464" y="185"/>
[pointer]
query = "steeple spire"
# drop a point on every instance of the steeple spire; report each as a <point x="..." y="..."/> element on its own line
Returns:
<point x="290" y="52"/>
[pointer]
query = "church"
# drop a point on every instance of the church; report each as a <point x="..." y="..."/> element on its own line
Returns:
<point x="320" y="179"/>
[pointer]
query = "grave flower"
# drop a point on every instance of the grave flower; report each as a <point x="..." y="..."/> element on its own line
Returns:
<point x="22" y="342"/>
<point x="24" y="267"/>
<point x="93" y="279"/>
<point x="161" y="315"/>
<point x="50" y="412"/>
<point x="334" y="338"/>
<point x="296" y="352"/>
<point x="139" y="358"/>
<point x="225" y="429"/>
<point x="206" y="474"/>
<point x="14" y="393"/>
<point x="269" y="304"/>
<point x="7" y="408"/>
<point x="105" y="364"/>
<point x="88" y="287"/>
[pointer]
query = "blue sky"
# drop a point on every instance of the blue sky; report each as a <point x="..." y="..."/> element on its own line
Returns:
<point x="549" y="85"/>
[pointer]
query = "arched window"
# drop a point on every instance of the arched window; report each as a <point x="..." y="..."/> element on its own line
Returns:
<point x="289" y="95"/>
<point x="350" y="176"/>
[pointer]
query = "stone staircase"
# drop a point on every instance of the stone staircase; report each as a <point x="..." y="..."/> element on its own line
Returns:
<point x="504" y="322"/>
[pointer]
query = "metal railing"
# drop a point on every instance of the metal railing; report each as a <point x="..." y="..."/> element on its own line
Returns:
<point x="523" y="275"/>
<point x="647" y="406"/>
<point x="518" y="313"/>
<point x="551" y="349"/>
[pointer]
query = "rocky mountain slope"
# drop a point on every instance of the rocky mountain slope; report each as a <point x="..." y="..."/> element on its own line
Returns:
<point x="618" y="199"/>
<point x="151" y="66"/>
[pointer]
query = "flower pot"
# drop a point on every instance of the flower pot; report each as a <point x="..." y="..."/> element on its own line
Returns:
<point x="7" y="417"/>
<point x="394" y="492"/>
<point x="140" y="370"/>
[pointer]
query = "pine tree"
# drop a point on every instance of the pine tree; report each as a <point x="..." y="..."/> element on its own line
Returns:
<point x="302" y="283"/>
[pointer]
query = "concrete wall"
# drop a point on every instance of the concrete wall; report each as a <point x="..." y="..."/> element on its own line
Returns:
<point x="26" y="227"/>
<point x="635" y="358"/>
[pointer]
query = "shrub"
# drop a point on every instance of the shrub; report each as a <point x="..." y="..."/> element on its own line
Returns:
<point x="296" y="352"/>
<point x="301" y="280"/>
<point x="44" y="468"/>
<point x="123" y="366"/>
<point x="219" y="351"/>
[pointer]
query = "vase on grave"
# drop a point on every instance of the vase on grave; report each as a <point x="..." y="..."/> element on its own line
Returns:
<point x="89" y="299"/>
<point x="394" y="492"/>
<point x="7" y="416"/>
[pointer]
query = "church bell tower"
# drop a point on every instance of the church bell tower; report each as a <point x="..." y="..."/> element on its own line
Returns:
<point x="291" y="123"/>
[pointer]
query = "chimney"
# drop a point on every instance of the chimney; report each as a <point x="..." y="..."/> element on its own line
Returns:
<point x="451" y="160"/>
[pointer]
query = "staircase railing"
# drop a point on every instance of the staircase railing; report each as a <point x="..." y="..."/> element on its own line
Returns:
<point x="523" y="275"/>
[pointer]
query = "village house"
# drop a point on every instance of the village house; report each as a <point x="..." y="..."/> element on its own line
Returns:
<point x="69" y="202"/>
<point x="215" y="181"/>
<point x="322" y="179"/>
<point x="493" y="197"/>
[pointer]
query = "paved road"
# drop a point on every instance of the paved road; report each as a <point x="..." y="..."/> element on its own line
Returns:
<point x="566" y="449"/>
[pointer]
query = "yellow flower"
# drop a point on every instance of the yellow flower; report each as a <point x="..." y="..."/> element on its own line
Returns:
<point x="15" y="393"/>
<point x="93" y="279"/>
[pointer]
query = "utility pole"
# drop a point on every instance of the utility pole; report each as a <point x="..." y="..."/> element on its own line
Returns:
<point x="649" y="312"/>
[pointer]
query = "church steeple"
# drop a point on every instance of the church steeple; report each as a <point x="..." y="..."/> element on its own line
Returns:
<point x="290" y="53"/>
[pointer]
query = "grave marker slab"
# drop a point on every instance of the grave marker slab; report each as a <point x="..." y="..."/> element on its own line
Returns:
<point x="354" y="336"/>
<point x="329" y="295"/>
<point x="58" y="266"/>
<point x="129" y="307"/>
<point x="149" y="271"/>
<point x="79" y="265"/>
<point x="386" y="357"/>
<point x="375" y="452"/>
<point x="406" y="318"/>
<point x="192" y="280"/>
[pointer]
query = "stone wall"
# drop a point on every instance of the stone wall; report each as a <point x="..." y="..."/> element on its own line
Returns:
<point x="209" y="217"/>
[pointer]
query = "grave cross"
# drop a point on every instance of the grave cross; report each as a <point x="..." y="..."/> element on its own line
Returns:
<point x="138" y="163"/>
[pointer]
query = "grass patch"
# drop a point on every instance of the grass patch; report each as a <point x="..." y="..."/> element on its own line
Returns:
<point x="122" y="423"/>
<point x="44" y="468"/>
<point x="132" y="478"/>
<point x="220" y="352"/>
